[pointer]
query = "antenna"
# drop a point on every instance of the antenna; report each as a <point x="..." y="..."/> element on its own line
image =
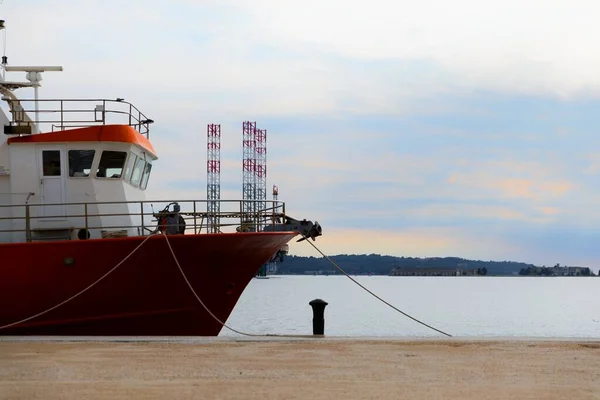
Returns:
<point x="34" y="69"/>
<point x="34" y="75"/>
<point x="4" y="58"/>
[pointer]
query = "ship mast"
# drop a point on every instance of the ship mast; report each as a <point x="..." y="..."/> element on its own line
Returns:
<point x="33" y="75"/>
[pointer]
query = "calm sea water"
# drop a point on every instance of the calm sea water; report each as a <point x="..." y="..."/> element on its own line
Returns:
<point x="461" y="306"/>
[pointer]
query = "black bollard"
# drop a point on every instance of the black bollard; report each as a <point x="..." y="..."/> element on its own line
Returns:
<point x="318" y="307"/>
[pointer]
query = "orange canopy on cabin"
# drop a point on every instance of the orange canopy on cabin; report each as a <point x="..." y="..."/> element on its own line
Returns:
<point x="100" y="133"/>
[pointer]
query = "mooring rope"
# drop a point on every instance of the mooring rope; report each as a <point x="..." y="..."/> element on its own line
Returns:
<point x="371" y="293"/>
<point x="198" y="297"/>
<point x="280" y="335"/>
<point x="79" y="293"/>
<point x="223" y="324"/>
<point x="121" y="263"/>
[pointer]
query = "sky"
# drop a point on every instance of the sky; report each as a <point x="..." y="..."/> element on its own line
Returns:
<point x="435" y="128"/>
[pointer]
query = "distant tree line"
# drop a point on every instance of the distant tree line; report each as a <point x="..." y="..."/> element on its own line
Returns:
<point x="557" y="270"/>
<point x="376" y="264"/>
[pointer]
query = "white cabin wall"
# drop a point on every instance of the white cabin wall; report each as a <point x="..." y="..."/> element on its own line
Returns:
<point x="116" y="191"/>
<point x="5" y="212"/>
<point x="108" y="190"/>
<point x="25" y="178"/>
<point x="85" y="190"/>
<point x="5" y="190"/>
<point x="24" y="174"/>
<point x="4" y="156"/>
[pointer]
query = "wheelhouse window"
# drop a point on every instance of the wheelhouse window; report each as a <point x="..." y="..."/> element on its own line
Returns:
<point x="146" y="176"/>
<point x="138" y="170"/>
<point x="129" y="168"/>
<point x="111" y="164"/>
<point x="80" y="163"/>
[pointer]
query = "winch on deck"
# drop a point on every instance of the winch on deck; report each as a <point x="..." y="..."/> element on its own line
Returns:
<point x="170" y="222"/>
<point x="307" y="229"/>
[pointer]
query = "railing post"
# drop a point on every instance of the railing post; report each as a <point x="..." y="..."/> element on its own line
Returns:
<point x="275" y="212"/>
<point x="85" y="212"/>
<point x="195" y="225"/>
<point x="142" y="214"/>
<point x="27" y="224"/>
<point x="62" y="124"/>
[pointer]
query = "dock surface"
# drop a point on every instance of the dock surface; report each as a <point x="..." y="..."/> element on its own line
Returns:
<point x="300" y="369"/>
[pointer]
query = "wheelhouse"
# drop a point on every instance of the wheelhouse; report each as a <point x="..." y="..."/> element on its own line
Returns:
<point x="86" y="151"/>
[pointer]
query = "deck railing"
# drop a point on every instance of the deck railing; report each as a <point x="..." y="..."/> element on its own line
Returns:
<point x="62" y="114"/>
<point x="138" y="217"/>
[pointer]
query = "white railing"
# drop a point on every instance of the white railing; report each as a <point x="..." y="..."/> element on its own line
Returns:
<point x="63" y="114"/>
<point x="140" y="217"/>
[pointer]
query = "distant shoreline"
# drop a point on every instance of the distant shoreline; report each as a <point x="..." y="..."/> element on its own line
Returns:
<point x="435" y="276"/>
<point x="375" y="264"/>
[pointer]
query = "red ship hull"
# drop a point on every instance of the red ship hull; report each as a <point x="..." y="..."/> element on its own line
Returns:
<point x="145" y="296"/>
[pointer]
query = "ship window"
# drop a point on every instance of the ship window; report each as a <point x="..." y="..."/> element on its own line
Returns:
<point x="51" y="162"/>
<point x="146" y="175"/>
<point x="111" y="164"/>
<point x="136" y="175"/>
<point x="129" y="168"/>
<point x="80" y="163"/>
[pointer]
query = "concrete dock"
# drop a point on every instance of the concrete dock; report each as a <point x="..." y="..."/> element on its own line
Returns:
<point x="326" y="368"/>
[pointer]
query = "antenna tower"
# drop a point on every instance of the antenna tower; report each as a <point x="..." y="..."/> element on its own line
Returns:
<point x="260" y="171"/>
<point x="248" y="169"/>
<point x="213" y="179"/>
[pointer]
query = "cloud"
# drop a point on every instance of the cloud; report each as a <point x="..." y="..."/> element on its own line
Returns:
<point x="593" y="163"/>
<point x="528" y="48"/>
<point x="259" y="57"/>
<point x="513" y="187"/>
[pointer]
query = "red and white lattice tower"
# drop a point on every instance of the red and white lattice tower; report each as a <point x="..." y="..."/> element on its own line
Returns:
<point x="213" y="179"/>
<point x="248" y="169"/>
<point x="260" y="169"/>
